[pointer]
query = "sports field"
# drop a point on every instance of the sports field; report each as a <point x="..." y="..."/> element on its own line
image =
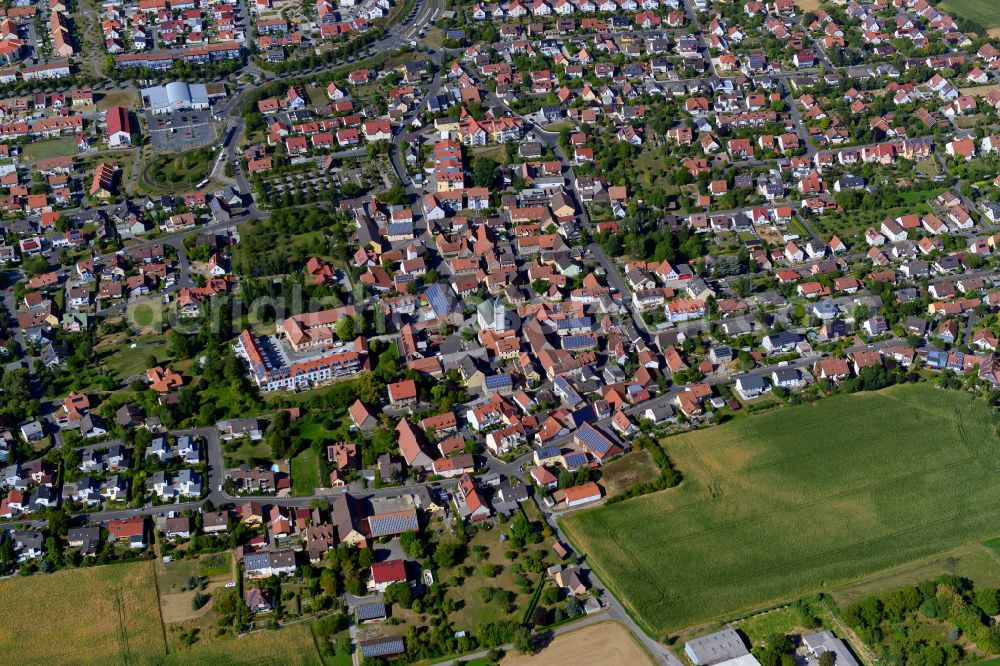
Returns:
<point x="797" y="499"/>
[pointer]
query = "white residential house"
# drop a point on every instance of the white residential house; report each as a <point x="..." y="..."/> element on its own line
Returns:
<point x="751" y="386"/>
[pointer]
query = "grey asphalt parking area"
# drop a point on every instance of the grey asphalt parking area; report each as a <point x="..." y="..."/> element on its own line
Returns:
<point x="181" y="130"/>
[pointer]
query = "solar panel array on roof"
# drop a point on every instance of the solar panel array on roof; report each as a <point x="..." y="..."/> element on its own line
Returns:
<point x="256" y="562"/>
<point x="371" y="611"/>
<point x="438" y="300"/>
<point x="399" y="229"/>
<point x="392" y="523"/>
<point x="382" y="647"/>
<point x="579" y="342"/>
<point x="498" y="381"/>
<point x="574" y="322"/>
<point x="548" y="452"/>
<point x="592" y="439"/>
<point x="574" y="460"/>
<point x="566" y="390"/>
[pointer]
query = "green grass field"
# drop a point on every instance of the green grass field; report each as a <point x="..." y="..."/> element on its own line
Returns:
<point x="248" y="451"/>
<point x="977" y="562"/>
<point x="41" y="150"/>
<point x="305" y="473"/>
<point x="178" y="171"/>
<point x="983" y="12"/>
<point x="798" y="499"/>
<point x="759" y="628"/>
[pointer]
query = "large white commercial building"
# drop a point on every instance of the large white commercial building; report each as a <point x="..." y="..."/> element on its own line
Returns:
<point x="175" y="96"/>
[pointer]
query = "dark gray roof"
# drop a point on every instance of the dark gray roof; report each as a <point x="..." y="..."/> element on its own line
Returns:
<point x="784" y="338"/>
<point x="370" y="611"/>
<point x="382" y="647"/>
<point x="752" y="382"/>
<point x="786" y="375"/>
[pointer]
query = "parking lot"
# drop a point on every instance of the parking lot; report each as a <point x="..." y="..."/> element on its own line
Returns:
<point x="181" y="130"/>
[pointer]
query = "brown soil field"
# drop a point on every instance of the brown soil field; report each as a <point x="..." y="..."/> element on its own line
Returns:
<point x="980" y="91"/>
<point x="602" y="643"/>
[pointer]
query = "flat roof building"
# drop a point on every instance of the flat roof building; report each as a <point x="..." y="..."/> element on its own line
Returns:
<point x="175" y="96"/>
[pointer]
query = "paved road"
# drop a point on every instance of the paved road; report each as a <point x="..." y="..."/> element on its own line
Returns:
<point x="407" y="136"/>
<point x="800" y="127"/>
<point x="615" y="280"/>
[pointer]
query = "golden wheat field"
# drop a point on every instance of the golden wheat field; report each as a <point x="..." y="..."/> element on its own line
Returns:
<point x="107" y="615"/>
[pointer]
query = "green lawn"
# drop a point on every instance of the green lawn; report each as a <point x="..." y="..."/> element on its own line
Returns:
<point x="247" y="451"/>
<point x="983" y="12"/>
<point x="218" y="564"/>
<point x="798" y="499"/>
<point x="115" y="98"/>
<point x="173" y="577"/>
<point x="970" y="122"/>
<point x="41" y="150"/>
<point x="179" y="171"/>
<point x="928" y="167"/>
<point x="148" y="314"/>
<point x="993" y="545"/>
<point x="313" y="431"/>
<point x="650" y="167"/>
<point x="305" y="473"/>
<point x="342" y="651"/>
<point x="759" y="628"/>
<point x="317" y="95"/>
<point x="123" y="361"/>
<point x="796" y="227"/>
